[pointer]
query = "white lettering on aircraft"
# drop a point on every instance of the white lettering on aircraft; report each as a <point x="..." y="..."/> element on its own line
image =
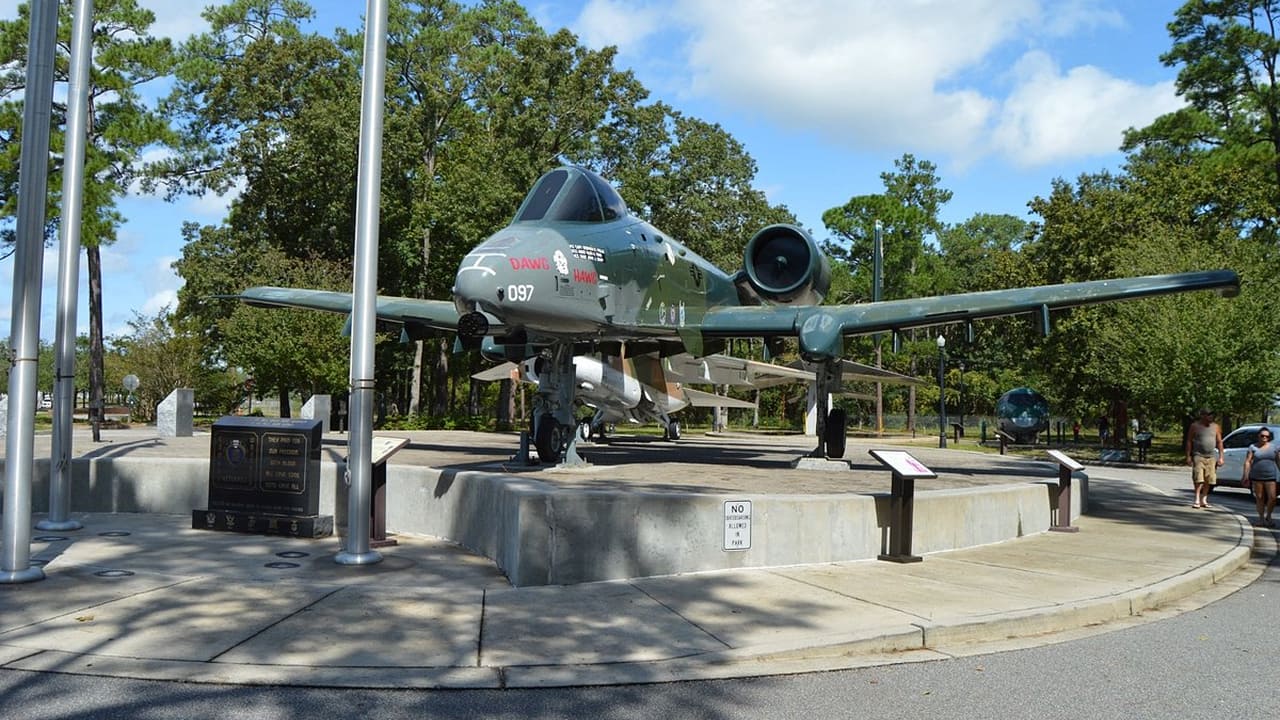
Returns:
<point x="519" y="293"/>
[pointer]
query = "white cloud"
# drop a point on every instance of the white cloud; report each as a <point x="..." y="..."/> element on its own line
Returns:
<point x="1052" y="115"/>
<point x="865" y="73"/>
<point x="623" y="23"/>
<point x="1067" y="17"/>
<point x="956" y="78"/>
<point x="215" y="207"/>
<point x="160" y="301"/>
<point x="178" y="20"/>
<point x="118" y="259"/>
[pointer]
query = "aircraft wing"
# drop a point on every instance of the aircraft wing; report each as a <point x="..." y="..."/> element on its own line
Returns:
<point x="697" y="398"/>
<point x="821" y="327"/>
<point x="727" y="370"/>
<point x="850" y="370"/>
<point x="505" y="371"/>
<point x="422" y="314"/>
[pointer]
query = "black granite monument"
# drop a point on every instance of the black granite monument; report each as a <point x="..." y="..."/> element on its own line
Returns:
<point x="264" y="477"/>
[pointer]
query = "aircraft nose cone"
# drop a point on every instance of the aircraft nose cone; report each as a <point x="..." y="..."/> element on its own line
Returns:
<point x="475" y="285"/>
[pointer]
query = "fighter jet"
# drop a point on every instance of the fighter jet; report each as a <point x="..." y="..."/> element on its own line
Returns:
<point x="576" y="271"/>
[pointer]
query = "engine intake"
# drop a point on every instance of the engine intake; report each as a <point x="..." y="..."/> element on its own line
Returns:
<point x="784" y="265"/>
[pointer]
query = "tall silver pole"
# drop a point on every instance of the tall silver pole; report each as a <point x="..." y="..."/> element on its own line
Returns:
<point x="364" y="300"/>
<point x="64" y="381"/>
<point x="877" y="282"/>
<point x="24" y="336"/>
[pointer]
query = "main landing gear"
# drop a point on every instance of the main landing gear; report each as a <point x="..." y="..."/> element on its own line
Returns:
<point x="555" y="429"/>
<point x="832" y="423"/>
<point x="672" y="431"/>
<point x="551" y="438"/>
<point x="837" y="426"/>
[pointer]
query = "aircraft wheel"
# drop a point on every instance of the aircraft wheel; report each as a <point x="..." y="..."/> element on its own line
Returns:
<point x="837" y="423"/>
<point x="673" y="430"/>
<point x="584" y="430"/>
<point x="548" y="440"/>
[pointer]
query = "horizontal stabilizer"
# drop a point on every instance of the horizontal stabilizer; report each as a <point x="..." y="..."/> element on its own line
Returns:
<point x="697" y="398"/>
<point x="505" y="371"/>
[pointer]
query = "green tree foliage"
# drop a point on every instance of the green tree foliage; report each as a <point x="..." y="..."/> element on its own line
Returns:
<point x="695" y="182"/>
<point x="1161" y="357"/>
<point x="165" y="355"/>
<point x="985" y="252"/>
<point x="1227" y="52"/>
<point x="121" y="126"/>
<point x="480" y="102"/>
<point x="908" y="210"/>
<point x="1208" y="179"/>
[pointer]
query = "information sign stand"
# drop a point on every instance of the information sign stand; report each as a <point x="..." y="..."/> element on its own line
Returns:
<point x="906" y="470"/>
<point x="1066" y="466"/>
<point x="383" y="449"/>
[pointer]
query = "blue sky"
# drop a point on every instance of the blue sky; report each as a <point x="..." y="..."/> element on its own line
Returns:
<point x="1003" y="95"/>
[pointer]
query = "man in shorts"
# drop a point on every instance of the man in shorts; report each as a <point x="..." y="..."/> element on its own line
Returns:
<point x="1204" y="455"/>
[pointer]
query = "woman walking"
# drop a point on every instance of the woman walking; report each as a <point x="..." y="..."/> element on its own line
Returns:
<point x="1261" y="471"/>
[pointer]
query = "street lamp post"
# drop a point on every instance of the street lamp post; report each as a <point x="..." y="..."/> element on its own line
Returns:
<point x="942" y="391"/>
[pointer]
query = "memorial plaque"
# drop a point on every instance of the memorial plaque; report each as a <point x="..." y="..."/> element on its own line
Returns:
<point x="264" y="477"/>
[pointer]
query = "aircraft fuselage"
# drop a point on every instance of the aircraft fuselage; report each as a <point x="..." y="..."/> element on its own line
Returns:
<point x="564" y="280"/>
<point x="576" y="265"/>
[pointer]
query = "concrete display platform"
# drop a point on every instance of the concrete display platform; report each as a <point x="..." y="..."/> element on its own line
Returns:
<point x="142" y="595"/>
<point x="644" y="507"/>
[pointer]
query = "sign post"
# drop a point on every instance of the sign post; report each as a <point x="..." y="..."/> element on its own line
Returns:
<point x="383" y="449"/>
<point x="1066" y="466"/>
<point x="906" y="470"/>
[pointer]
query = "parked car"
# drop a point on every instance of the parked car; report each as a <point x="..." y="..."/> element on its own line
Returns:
<point x="1235" y="447"/>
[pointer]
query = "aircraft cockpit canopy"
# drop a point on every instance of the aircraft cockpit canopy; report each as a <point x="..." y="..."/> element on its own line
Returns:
<point x="571" y="194"/>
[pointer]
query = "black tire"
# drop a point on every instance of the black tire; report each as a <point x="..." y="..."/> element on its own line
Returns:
<point x="547" y="440"/>
<point x="837" y="423"/>
<point x="673" y="430"/>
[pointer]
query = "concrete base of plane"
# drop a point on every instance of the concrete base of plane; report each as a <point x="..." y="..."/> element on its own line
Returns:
<point x="648" y="507"/>
<point x="808" y="462"/>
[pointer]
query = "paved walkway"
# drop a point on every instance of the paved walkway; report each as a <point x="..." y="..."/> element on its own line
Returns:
<point x="144" y="596"/>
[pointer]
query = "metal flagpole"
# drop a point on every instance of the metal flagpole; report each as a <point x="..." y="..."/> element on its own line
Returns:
<point x="24" y="335"/>
<point x="64" y="387"/>
<point x="364" y="295"/>
<point x="877" y="282"/>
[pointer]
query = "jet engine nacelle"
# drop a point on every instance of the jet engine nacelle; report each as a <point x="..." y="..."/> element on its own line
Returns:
<point x="784" y="265"/>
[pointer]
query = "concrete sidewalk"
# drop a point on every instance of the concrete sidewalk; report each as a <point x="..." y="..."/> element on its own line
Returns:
<point x="144" y="596"/>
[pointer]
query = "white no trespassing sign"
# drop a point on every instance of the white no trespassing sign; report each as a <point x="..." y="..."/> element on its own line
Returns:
<point x="737" y="525"/>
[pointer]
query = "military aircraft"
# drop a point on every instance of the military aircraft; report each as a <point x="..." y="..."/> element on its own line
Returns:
<point x="576" y="271"/>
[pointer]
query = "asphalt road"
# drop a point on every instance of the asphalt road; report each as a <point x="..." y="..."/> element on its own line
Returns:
<point x="1214" y="662"/>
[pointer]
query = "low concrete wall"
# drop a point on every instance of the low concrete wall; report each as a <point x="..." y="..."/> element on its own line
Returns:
<point x="148" y="485"/>
<point x="541" y="534"/>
